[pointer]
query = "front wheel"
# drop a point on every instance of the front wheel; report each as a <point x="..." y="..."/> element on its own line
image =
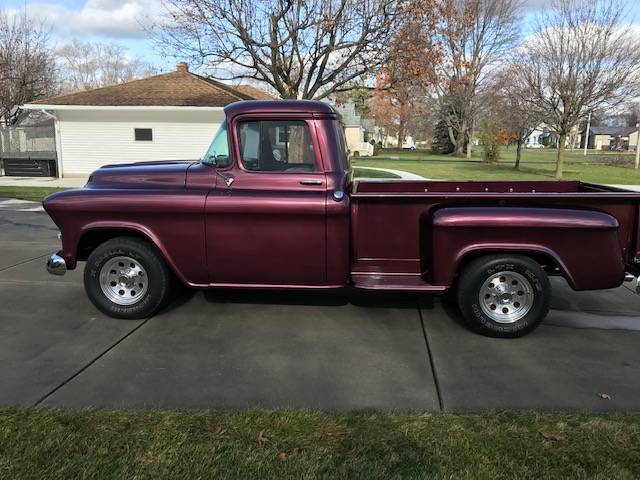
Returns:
<point x="126" y="278"/>
<point x="504" y="296"/>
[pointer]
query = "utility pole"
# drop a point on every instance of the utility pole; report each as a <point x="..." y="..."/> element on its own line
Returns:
<point x="637" y="144"/>
<point x="586" y="137"/>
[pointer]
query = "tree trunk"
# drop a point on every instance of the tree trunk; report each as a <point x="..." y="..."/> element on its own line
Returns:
<point x="460" y="144"/>
<point x="400" y="134"/>
<point x="518" y="151"/>
<point x="469" y="142"/>
<point x="560" y="158"/>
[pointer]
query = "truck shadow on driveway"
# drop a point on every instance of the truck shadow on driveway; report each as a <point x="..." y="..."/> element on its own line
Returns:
<point x="183" y="295"/>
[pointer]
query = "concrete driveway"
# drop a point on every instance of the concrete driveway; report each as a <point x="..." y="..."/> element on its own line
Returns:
<point x="246" y="349"/>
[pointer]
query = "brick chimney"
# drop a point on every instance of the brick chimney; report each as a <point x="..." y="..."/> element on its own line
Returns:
<point x="182" y="67"/>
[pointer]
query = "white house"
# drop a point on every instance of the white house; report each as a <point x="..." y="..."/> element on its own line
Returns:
<point x="353" y="129"/>
<point x="172" y="116"/>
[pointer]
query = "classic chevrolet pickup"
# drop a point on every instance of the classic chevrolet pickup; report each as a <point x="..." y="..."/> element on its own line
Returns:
<point x="272" y="205"/>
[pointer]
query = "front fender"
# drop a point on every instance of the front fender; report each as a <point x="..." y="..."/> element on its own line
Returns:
<point x="172" y="220"/>
<point x="584" y="244"/>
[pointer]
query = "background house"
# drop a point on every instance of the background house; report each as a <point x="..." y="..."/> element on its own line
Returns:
<point x="172" y="116"/>
<point x="354" y="131"/>
<point x="611" y="138"/>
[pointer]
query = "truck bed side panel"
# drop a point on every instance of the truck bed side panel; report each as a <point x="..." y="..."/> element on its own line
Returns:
<point x="582" y="243"/>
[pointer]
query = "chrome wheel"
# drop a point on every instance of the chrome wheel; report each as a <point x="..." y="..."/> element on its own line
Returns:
<point x="506" y="297"/>
<point x="123" y="280"/>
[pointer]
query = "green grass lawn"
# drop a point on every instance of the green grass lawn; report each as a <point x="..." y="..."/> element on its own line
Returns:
<point x="54" y="444"/>
<point x="35" y="194"/>
<point x="536" y="164"/>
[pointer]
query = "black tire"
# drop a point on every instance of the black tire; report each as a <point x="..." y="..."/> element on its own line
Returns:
<point x="156" y="271"/>
<point x="478" y="272"/>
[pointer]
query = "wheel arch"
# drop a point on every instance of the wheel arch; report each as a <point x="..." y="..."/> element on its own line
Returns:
<point x="545" y="257"/>
<point x="94" y="235"/>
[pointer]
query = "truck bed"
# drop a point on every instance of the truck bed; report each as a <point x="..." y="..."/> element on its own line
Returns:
<point x="392" y="221"/>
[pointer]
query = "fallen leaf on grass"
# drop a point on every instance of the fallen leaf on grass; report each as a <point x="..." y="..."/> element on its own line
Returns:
<point x="604" y="396"/>
<point x="261" y="439"/>
<point x="217" y="430"/>
<point x="319" y="435"/>
<point x="552" y="437"/>
<point x="282" y="456"/>
<point x="492" y="419"/>
<point x="296" y="450"/>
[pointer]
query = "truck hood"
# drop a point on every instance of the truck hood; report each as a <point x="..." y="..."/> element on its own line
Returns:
<point x="166" y="174"/>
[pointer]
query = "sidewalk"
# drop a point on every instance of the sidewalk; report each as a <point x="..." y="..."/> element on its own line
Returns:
<point x="15" y="205"/>
<point x="50" y="182"/>
<point x="403" y="175"/>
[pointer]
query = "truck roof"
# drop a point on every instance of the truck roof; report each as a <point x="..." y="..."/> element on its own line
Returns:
<point x="279" y="106"/>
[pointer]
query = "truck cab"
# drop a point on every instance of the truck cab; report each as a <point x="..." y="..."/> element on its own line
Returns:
<point x="280" y="193"/>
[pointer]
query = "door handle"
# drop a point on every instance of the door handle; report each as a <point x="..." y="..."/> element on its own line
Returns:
<point x="310" y="182"/>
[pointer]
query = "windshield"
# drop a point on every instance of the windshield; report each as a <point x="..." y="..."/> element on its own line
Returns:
<point x="218" y="153"/>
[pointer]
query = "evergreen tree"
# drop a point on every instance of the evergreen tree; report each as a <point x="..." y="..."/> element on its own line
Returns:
<point x="441" y="141"/>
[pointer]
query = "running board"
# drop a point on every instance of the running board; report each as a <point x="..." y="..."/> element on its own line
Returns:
<point x="407" y="283"/>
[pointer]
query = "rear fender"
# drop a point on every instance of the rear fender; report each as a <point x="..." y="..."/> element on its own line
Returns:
<point x="583" y="244"/>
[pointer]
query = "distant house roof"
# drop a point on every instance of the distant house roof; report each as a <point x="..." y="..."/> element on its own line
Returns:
<point x="614" y="131"/>
<point x="178" y="88"/>
<point x="256" y="93"/>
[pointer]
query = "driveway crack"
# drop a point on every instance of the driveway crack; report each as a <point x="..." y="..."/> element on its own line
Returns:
<point x="23" y="262"/>
<point x="436" y="381"/>
<point x="90" y="363"/>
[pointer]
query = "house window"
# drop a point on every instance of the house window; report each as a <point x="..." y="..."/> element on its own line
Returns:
<point x="143" y="134"/>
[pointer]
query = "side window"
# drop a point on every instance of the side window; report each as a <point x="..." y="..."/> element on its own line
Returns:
<point x="276" y="146"/>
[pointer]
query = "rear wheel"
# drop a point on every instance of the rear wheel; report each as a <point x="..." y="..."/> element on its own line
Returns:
<point x="126" y="278"/>
<point x="504" y="296"/>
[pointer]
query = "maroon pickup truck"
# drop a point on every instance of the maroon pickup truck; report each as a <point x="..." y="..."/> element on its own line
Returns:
<point x="272" y="204"/>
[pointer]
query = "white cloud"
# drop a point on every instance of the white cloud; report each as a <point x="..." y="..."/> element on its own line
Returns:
<point x="108" y="18"/>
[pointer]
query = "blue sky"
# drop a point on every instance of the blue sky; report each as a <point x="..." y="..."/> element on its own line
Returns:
<point x="124" y="21"/>
<point x="120" y="21"/>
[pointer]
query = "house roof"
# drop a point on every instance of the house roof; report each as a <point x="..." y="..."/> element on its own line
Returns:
<point x="614" y="131"/>
<point x="255" y="93"/>
<point x="178" y="88"/>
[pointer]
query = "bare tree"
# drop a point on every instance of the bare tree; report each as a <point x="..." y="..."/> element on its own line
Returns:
<point x="509" y="101"/>
<point x="301" y="48"/>
<point x="27" y="65"/>
<point x="86" y="65"/>
<point x="476" y="35"/>
<point x="579" y="59"/>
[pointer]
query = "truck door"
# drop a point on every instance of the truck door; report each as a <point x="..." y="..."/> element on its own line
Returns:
<point x="266" y="218"/>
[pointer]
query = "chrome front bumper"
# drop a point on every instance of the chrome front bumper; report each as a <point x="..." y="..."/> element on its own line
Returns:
<point x="56" y="265"/>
